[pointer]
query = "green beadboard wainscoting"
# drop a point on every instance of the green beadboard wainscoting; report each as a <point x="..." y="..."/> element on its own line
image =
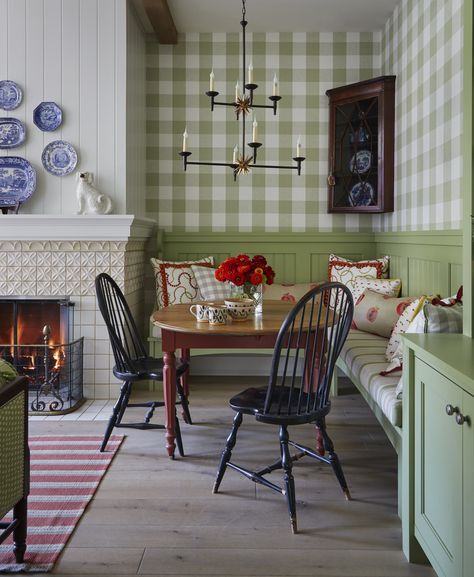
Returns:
<point x="427" y="262"/>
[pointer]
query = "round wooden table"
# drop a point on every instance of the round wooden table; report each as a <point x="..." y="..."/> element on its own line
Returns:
<point x="180" y="330"/>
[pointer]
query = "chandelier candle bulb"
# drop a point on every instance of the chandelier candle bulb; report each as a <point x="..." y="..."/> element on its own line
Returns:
<point x="236" y="152"/>
<point x="211" y="81"/>
<point x="254" y="129"/>
<point x="275" y="86"/>
<point x="237" y="91"/>
<point x="298" y="147"/>
<point x="250" y="73"/>
<point x="185" y="139"/>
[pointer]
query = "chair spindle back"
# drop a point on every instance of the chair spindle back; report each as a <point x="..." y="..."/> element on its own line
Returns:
<point x="308" y="344"/>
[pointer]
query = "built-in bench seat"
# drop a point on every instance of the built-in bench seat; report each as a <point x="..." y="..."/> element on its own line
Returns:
<point x="363" y="358"/>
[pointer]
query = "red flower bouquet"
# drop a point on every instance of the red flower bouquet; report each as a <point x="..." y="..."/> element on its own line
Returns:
<point x="248" y="273"/>
<point x="242" y="269"/>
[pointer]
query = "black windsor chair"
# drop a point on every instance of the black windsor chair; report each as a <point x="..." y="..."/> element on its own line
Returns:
<point x="132" y="363"/>
<point x="307" y="346"/>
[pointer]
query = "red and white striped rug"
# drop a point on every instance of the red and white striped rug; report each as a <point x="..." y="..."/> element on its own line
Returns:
<point x="65" y="473"/>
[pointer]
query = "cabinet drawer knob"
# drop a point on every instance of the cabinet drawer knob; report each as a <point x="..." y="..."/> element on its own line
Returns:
<point x="450" y="410"/>
<point x="461" y="419"/>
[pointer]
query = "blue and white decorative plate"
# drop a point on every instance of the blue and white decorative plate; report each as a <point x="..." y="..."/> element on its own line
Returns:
<point x="12" y="132"/>
<point x="10" y="95"/>
<point x="361" y="162"/>
<point x="47" y="116"/>
<point x="362" y="194"/>
<point x="17" y="180"/>
<point x="59" y="158"/>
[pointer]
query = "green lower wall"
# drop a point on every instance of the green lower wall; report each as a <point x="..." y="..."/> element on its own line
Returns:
<point x="427" y="262"/>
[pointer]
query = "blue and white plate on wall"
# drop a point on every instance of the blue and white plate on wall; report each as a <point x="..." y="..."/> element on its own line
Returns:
<point x="17" y="180"/>
<point x="47" y="116"/>
<point x="59" y="158"/>
<point x="362" y="194"/>
<point x="12" y="132"/>
<point x="361" y="161"/>
<point x="10" y="95"/>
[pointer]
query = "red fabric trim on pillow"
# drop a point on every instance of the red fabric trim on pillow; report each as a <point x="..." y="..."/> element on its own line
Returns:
<point x="162" y="273"/>
<point x="454" y="301"/>
<point x="376" y="264"/>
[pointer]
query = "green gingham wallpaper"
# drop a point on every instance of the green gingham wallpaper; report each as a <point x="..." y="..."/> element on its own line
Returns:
<point x="422" y="46"/>
<point x="207" y="198"/>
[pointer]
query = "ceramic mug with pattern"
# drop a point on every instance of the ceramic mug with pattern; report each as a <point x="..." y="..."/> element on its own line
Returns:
<point x="200" y="312"/>
<point x="217" y="315"/>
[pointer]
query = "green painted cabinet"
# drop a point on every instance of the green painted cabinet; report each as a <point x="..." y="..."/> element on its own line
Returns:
<point x="439" y="469"/>
<point x="439" y="453"/>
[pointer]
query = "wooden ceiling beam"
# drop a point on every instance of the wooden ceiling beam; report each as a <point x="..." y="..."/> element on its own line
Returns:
<point x="160" y="17"/>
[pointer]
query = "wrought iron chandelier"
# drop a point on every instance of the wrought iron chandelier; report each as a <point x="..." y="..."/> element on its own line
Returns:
<point x="243" y="105"/>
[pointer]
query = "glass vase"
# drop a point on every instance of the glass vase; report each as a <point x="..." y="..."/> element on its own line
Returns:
<point x="255" y="293"/>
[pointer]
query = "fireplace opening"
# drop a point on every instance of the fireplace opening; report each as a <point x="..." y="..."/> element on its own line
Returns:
<point x="35" y="337"/>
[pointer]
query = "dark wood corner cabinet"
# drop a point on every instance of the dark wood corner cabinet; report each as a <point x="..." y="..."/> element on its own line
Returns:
<point x="361" y="143"/>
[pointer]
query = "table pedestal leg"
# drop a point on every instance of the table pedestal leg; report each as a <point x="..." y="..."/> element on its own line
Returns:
<point x="169" y="386"/>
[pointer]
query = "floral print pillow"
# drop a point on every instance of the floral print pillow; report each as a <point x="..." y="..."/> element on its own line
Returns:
<point x="378" y="314"/>
<point x="287" y="292"/>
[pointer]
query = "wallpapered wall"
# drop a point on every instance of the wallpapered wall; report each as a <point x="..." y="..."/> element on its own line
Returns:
<point x="421" y="44"/>
<point x="207" y="198"/>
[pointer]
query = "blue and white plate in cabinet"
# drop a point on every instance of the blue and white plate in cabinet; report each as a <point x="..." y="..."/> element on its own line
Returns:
<point x="10" y="95"/>
<point x="17" y="180"/>
<point x="47" y="116"/>
<point x="362" y="194"/>
<point x="59" y="158"/>
<point x="361" y="161"/>
<point x="12" y="132"/>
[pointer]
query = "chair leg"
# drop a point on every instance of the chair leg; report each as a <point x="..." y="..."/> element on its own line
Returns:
<point x="117" y="413"/>
<point x="184" y="403"/>
<point x="227" y="452"/>
<point x="288" y="476"/>
<point x="19" y="533"/>
<point x="150" y="412"/>
<point x="179" y="440"/>
<point x="334" y="460"/>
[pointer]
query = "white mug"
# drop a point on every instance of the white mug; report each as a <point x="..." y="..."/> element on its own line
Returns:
<point x="217" y="315"/>
<point x="200" y="313"/>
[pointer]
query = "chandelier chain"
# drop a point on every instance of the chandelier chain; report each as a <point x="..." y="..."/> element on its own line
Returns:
<point x="243" y="9"/>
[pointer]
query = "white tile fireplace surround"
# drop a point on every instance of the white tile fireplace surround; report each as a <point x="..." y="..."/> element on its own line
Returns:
<point x="62" y="255"/>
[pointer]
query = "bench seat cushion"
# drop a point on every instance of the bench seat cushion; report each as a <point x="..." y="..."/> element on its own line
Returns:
<point x="364" y="354"/>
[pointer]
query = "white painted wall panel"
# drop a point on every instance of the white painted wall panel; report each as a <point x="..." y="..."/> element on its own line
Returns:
<point x="106" y="129"/>
<point x="136" y="117"/>
<point x="88" y="91"/>
<point x="70" y="129"/>
<point x="33" y="95"/>
<point x="73" y="52"/>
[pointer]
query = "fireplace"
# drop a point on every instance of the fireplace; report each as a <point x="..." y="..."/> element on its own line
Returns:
<point x="36" y="337"/>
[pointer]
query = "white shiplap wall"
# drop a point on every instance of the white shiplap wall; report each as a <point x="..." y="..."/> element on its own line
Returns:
<point x="73" y="52"/>
<point x="136" y="116"/>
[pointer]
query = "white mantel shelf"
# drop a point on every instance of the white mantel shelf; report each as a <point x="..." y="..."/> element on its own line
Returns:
<point x="74" y="227"/>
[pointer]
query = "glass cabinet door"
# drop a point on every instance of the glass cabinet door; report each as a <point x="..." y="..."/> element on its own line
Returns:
<point x="361" y="148"/>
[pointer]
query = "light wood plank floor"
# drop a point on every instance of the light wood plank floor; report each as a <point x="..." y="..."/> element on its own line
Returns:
<point x="154" y="516"/>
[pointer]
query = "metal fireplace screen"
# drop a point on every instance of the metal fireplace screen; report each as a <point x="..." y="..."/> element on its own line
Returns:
<point x="35" y="338"/>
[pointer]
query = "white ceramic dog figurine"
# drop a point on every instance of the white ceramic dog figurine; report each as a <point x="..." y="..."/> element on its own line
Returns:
<point x="91" y="201"/>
